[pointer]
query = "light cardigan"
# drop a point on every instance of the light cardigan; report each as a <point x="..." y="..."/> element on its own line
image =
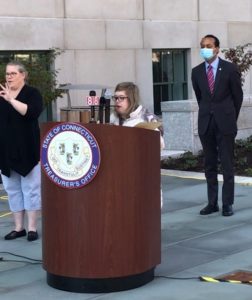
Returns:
<point x="139" y="115"/>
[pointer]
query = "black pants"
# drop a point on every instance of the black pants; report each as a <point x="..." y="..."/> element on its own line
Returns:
<point x="217" y="146"/>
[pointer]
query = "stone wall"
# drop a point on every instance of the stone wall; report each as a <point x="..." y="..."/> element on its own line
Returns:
<point x="108" y="41"/>
<point x="180" y="124"/>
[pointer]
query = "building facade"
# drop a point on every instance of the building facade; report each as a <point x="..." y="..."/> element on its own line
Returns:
<point x="109" y="41"/>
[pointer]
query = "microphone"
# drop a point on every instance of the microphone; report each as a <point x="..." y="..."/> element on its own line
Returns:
<point x="92" y="100"/>
<point x="107" y="96"/>
<point x="101" y="106"/>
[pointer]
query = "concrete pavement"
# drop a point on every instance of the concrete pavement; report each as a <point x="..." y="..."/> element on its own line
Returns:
<point x="192" y="246"/>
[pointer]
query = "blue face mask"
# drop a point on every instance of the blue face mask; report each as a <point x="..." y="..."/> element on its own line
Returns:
<point x="206" y="53"/>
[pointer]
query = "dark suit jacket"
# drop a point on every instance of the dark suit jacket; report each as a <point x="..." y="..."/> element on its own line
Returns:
<point x="226" y="101"/>
<point x="20" y="135"/>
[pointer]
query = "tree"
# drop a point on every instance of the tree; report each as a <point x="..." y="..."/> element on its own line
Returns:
<point x="241" y="56"/>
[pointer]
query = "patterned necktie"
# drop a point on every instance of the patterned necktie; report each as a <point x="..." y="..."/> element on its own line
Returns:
<point x="210" y="78"/>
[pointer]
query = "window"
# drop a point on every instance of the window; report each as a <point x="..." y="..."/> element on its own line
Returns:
<point x="27" y="57"/>
<point x="169" y="76"/>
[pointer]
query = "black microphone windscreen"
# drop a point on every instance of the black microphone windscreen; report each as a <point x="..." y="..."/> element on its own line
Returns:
<point x="92" y="93"/>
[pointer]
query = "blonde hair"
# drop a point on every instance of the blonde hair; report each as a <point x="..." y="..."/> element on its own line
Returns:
<point x="132" y="93"/>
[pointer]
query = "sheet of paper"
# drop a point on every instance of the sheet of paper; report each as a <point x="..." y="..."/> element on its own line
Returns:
<point x="148" y="125"/>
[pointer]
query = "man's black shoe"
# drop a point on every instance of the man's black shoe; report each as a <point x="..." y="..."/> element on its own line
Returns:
<point x="209" y="209"/>
<point x="227" y="210"/>
<point x="15" y="234"/>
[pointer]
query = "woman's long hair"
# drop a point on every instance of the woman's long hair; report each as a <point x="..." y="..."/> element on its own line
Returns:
<point x="132" y="93"/>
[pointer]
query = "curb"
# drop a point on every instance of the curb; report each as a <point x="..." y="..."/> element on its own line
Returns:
<point x="201" y="176"/>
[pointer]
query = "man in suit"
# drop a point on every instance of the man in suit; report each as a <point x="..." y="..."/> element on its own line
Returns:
<point x="218" y="89"/>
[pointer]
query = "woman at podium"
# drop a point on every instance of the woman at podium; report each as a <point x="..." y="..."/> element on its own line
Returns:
<point x="129" y="112"/>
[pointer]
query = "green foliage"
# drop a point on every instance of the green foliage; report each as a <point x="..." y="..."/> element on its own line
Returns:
<point x="191" y="162"/>
<point x="245" y="144"/>
<point x="45" y="79"/>
<point x="187" y="162"/>
<point x="243" y="156"/>
<point x="240" y="56"/>
<point x="2" y="73"/>
<point x="248" y="172"/>
<point x="41" y="74"/>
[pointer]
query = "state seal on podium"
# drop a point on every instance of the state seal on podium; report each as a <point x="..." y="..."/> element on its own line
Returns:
<point x="70" y="155"/>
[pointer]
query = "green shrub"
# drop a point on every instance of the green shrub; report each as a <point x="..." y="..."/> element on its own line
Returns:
<point x="190" y="162"/>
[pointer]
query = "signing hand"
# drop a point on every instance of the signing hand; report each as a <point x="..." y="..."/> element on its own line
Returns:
<point x="5" y="92"/>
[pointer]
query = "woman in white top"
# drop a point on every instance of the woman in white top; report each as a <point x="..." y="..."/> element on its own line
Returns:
<point x="128" y="111"/>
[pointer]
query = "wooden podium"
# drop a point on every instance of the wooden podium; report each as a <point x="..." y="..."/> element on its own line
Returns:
<point x="106" y="236"/>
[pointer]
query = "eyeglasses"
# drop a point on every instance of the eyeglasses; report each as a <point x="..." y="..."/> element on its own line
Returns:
<point x="12" y="74"/>
<point x="119" y="98"/>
